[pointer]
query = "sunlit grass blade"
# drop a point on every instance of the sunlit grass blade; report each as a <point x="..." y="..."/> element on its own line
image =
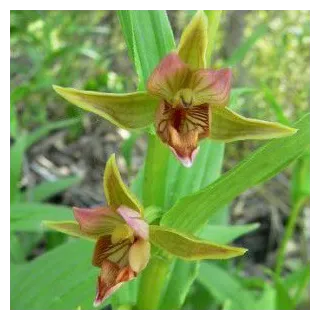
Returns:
<point x="224" y="286"/>
<point x="29" y="216"/>
<point x="62" y="279"/>
<point x="47" y="189"/>
<point x="226" y="234"/>
<point x="40" y="133"/>
<point x="239" y="54"/>
<point x="16" y="161"/>
<point x="181" y="278"/>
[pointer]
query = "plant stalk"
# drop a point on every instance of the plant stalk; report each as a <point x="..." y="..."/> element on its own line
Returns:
<point x="154" y="186"/>
<point x="288" y="234"/>
<point x="155" y="172"/>
<point x="152" y="283"/>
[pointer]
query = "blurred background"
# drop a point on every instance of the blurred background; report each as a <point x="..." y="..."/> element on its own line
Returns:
<point x="58" y="152"/>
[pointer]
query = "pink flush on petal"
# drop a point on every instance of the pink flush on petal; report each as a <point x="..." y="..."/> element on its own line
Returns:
<point x="135" y="221"/>
<point x="213" y="85"/>
<point x="93" y="220"/>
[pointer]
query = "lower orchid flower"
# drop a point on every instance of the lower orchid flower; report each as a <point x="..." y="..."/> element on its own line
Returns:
<point x="122" y="247"/>
<point x="123" y="237"/>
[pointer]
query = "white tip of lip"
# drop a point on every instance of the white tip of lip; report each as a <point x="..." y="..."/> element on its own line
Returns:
<point x="186" y="162"/>
<point x="96" y="303"/>
<point x="194" y="153"/>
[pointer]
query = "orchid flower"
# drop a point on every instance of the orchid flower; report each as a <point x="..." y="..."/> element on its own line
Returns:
<point x="184" y="100"/>
<point x="122" y="247"/>
<point x="122" y="236"/>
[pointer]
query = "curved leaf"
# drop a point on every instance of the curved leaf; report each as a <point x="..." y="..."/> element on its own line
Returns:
<point x="192" y="212"/>
<point x="29" y="216"/>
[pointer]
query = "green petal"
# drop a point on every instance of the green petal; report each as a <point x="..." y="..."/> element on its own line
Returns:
<point x="228" y="126"/>
<point x="194" y="40"/>
<point x="70" y="228"/>
<point x="130" y="111"/>
<point x="190" y="248"/>
<point x="117" y="193"/>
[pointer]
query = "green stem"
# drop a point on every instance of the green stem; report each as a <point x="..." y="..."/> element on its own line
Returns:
<point x="288" y="234"/>
<point x="154" y="186"/>
<point x="155" y="173"/>
<point x="152" y="284"/>
<point x="301" y="288"/>
<point x="154" y="277"/>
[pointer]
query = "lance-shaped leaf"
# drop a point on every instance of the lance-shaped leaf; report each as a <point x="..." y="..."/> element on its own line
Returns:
<point x="193" y="43"/>
<point x="70" y="228"/>
<point x="117" y="193"/>
<point x="190" y="248"/>
<point x="130" y="111"/>
<point x="190" y="213"/>
<point x="228" y="126"/>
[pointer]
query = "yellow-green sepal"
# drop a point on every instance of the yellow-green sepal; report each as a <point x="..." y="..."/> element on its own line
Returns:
<point x="129" y="111"/>
<point x="188" y="247"/>
<point x="194" y="40"/>
<point x="229" y="126"/>
<point x="70" y="228"/>
<point x="214" y="17"/>
<point x="117" y="193"/>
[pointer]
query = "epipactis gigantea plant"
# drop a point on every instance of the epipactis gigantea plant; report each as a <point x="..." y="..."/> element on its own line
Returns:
<point x="122" y="236"/>
<point x="185" y="101"/>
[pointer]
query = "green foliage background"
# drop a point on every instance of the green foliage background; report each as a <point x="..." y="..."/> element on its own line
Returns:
<point x="269" y="52"/>
<point x="86" y="49"/>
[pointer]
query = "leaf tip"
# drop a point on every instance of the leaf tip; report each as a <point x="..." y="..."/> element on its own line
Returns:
<point x="112" y="160"/>
<point x="110" y="169"/>
<point x="45" y="223"/>
<point x="244" y="250"/>
<point x="255" y="226"/>
<point x="66" y="93"/>
<point x="236" y="252"/>
<point x="241" y="251"/>
<point x="287" y="131"/>
<point x="57" y="88"/>
<point x="49" y="224"/>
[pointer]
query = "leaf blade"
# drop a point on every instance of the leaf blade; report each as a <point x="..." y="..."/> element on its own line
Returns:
<point x="226" y="234"/>
<point x="29" y="216"/>
<point x="47" y="189"/>
<point x="223" y="286"/>
<point x="192" y="212"/>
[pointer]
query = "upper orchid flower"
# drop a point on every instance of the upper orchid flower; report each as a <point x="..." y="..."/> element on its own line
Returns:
<point x="122" y="247"/>
<point x="187" y="99"/>
<point x="184" y="100"/>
